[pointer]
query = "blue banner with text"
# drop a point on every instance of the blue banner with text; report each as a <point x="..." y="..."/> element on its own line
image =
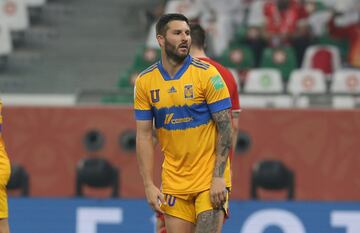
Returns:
<point x="51" y="215"/>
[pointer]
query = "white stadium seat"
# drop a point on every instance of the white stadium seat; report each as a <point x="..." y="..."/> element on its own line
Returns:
<point x="5" y="40"/>
<point x="263" y="81"/>
<point x="308" y="81"/>
<point x="346" y="81"/>
<point x="15" y="14"/>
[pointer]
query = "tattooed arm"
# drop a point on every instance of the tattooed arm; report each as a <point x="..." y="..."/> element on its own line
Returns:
<point x="223" y="146"/>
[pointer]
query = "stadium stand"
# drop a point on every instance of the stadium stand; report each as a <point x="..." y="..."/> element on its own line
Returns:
<point x="107" y="54"/>
<point x="75" y="47"/>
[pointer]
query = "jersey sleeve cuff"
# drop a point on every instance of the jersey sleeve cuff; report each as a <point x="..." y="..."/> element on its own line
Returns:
<point x="220" y="105"/>
<point x="143" y="115"/>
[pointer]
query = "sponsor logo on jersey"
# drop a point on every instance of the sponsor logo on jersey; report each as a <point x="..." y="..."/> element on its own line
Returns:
<point x="170" y="120"/>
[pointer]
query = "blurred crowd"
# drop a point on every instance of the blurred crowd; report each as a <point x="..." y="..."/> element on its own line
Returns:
<point x="262" y="23"/>
<point x="248" y="34"/>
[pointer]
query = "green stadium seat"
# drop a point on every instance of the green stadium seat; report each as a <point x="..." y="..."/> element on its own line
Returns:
<point x="240" y="33"/>
<point x="145" y="57"/>
<point x="282" y="58"/>
<point x="238" y="57"/>
<point x="125" y="78"/>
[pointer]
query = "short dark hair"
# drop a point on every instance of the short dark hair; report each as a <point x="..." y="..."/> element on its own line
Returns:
<point x="161" y="25"/>
<point x="197" y="35"/>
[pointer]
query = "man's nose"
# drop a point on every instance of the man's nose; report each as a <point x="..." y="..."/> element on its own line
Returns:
<point x="184" y="37"/>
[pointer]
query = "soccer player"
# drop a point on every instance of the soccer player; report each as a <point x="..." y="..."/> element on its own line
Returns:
<point x="4" y="178"/>
<point x="190" y="103"/>
<point x="197" y="50"/>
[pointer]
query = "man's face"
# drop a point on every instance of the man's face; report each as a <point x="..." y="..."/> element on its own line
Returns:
<point x="177" y="40"/>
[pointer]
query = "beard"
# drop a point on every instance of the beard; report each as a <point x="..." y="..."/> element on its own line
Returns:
<point x="171" y="52"/>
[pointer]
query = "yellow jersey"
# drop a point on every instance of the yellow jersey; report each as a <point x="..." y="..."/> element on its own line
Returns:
<point x="181" y="107"/>
<point x="4" y="161"/>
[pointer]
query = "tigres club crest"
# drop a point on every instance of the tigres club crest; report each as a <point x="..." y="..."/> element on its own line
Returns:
<point x="188" y="91"/>
<point x="155" y="97"/>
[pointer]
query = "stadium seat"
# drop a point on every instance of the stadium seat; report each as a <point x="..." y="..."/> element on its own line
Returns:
<point x="271" y="175"/>
<point x="282" y="58"/>
<point x="14" y="13"/>
<point x="263" y="81"/>
<point x="238" y="57"/>
<point x="5" y="39"/>
<point x="323" y="57"/>
<point x="341" y="44"/>
<point x="35" y="9"/>
<point x="240" y="33"/>
<point x="145" y="57"/>
<point x="307" y="81"/>
<point x="98" y="173"/>
<point x="5" y="44"/>
<point x="346" y="81"/>
<point x="19" y="180"/>
<point x="127" y="78"/>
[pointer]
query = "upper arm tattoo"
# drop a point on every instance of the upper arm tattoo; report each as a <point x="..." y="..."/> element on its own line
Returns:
<point x="223" y="142"/>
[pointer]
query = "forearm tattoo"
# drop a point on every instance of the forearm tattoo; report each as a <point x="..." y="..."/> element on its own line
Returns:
<point x="224" y="140"/>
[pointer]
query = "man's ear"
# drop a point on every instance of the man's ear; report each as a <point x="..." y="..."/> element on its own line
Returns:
<point x="161" y="40"/>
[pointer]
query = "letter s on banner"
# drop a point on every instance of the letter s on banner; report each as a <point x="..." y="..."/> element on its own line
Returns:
<point x="285" y="220"/>
<point x="348" y="219"/>
<point x="87" y="218"/>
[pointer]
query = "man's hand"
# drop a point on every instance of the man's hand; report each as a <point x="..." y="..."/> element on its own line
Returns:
<point x="154" y="197"/>
<point x="218" y="192"/>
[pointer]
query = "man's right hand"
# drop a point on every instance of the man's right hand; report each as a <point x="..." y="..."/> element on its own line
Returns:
<point x="154" y="197"/>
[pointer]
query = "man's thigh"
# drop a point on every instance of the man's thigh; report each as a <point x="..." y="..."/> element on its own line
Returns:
<point x="208" y="219"/>
<point x="179" y="214"/>
<point x="4" y="226"/>
<point x="178" y="225"/>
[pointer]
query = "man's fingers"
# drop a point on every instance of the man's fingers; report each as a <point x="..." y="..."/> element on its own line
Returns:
<point x="162" y="199"/>
<point x="156" y="207"/>
<point x="218" y="199"/>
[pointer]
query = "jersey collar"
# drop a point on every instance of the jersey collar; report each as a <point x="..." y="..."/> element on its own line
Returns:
<point x="179" y="73"/>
